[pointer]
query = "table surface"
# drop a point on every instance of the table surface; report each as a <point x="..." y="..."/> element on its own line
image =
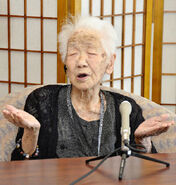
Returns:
<point x="64" y="171"/>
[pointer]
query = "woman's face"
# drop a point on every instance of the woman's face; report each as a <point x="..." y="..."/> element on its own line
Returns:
<point x="86" y="60"/>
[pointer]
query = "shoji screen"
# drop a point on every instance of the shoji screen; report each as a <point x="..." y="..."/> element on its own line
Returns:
<point x="28" y="43"/>
<point x="128" y="18"/>
<point x="168" y="90"/>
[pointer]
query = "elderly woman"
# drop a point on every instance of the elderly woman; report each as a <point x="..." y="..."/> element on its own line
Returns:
<point x="79" y="119"/>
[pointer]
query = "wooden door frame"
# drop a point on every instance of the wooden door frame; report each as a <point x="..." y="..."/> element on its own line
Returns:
<point x="64" y="8"/>
<point x="157" y="50"/>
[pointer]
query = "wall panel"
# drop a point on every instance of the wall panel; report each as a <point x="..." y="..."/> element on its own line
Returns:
<point x="127" y="16"/>
<point x="34" y="73"/>
<point x="167" y="77"/>
<point x="4" y="32"/>
<point x="33" y="34"/>
<point x="28" y="43"/>
<point x="17" y="64"/>
<point x="3" y="66"/>
<point x="17" y="33"/>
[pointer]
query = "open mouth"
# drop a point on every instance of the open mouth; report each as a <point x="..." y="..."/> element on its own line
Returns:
<point x="82" y="75"/>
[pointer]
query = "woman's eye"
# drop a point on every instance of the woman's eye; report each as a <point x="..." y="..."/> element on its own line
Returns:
<point x="93" y="54"/>
<point x="72" y="54"/>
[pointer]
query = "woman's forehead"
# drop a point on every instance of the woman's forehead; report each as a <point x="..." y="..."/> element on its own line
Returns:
<point x="85" y="38"/>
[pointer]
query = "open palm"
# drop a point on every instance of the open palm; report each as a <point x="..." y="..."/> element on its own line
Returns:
<point x="20" y="118"/>
<point x="153" y="126"/>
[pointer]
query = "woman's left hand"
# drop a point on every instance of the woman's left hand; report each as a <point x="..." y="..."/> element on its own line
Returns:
<point x="153" y="126"/>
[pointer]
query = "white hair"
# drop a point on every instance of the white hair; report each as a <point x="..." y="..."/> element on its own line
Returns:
<point x="108" y="34"/>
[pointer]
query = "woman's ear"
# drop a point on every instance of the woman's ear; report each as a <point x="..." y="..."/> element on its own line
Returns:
<point x="110" y="66"/>
<point x="65" y="68"/>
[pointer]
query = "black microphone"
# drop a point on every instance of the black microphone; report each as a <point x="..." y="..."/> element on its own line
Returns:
<point x="125" y="111"/>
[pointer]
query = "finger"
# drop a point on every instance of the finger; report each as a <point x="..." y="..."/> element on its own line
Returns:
<point x="21" y="120"/>
<point x="167" y="123"/>
<point x="11" y="118"/>
<point x="8" y="116"/>
<point x="10" y="108"/>
<point x="162" y="128"/>
<point x="160" y="131"/>
<point x="160" y="118"/>
<point x="150" y="131"/>
<point x="15" y="117"/>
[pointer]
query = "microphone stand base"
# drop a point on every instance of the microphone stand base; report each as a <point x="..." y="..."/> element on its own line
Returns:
<point x="126" y="154"/>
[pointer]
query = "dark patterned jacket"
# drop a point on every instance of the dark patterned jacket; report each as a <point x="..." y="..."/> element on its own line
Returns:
<point x="42" y="103"/>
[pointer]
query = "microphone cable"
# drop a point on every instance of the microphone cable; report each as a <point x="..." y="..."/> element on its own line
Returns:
<point x="136" y="147"/>
<point x="98" y="165"/>
<point x="131" y="147"/>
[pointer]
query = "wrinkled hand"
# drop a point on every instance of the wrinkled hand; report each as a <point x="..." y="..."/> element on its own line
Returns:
<point x="153" y="126"/>
<point x="20" y="118"/>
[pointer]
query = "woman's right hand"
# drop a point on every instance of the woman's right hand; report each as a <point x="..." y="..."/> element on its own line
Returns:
<point x="21" y="118"/>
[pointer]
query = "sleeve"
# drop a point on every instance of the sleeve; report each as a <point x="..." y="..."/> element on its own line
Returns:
<point x="136" y="119"/>
<point x="31" y="106"/>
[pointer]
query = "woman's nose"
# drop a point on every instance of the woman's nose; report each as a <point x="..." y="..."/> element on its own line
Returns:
<point x="82" y="60"/>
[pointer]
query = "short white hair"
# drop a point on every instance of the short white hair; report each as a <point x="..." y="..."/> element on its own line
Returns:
<point x="108" y="34"/>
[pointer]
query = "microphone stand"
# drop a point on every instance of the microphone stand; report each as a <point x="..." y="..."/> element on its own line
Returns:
<point x="126" y="152"/>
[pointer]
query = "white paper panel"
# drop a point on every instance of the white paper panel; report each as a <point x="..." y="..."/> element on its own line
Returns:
<point x="138" y="60"/>
<point x="127" y="85"/>
<point x="96" y="8"/>
<point x="50" y="8"/>
<point x="117" y="64"/>
<point x="107" y="84"/>
<point x="3" y="32"/>
<point x="139" y="29"/>
<point x="85" y="7"/>
<point x="128" y="29"/>
<point x="139" y="5"/>
<point x="118" y="6"/>
<point x="169" y="5"/>
<point x="169" y="59"/>
<point x="33" y="34"/>
<point x="17" y="66"/>
<point x="129" y="6"/>
<point x="107" y="7"/>
<point x="118" y="28"/>
<point x="17" y="7"/>
<point x="106" y="77"/>
<point x="107" y="19"/>
<point x="3" y="7"/>
<point x="169" y="31"/>
<point x="33" y="67"/>
<point x="33" y="8"/>
<point x="17" y="33"/>
<point x="50" y="35"/>
<point x="3" y="65"/>
<point x="137" y="86"/>
<point x="117" y="84"/>
<point x="127" y="61"/>
<point x="16" y="87"/>
<point x="3" y="90"/>
<point x="50" y="68"/>
<point x="168" y="94"/>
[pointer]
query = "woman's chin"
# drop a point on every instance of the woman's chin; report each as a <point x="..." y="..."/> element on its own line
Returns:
<point x="84" y="86"/>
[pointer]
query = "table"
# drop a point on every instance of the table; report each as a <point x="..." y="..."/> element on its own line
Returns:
<point x="64" y="171"/>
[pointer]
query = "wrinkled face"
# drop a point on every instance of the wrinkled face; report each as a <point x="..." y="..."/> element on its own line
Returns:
<point x="86" y="60"/>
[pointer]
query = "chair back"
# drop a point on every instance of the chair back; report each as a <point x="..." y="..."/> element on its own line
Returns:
<point x="164" y="143"/>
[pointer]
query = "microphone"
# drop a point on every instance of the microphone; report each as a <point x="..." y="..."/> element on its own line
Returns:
<point x="125" y="111"/>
